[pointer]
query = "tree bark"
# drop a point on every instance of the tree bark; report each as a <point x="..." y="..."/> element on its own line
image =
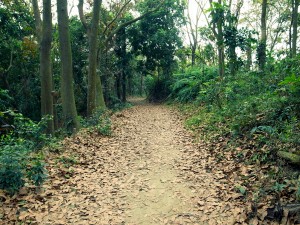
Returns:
<point x="124" y="64"/>
<point x="67" y="89"/>
<point x="95" y="96"/>
<point x="217" y="29"/>
<point x="221" y="55"/>
<point x="44" y="36"/>
<point x="295" y="27"/>
<point x="249" y="56"/>
<point x="263" y="40"/>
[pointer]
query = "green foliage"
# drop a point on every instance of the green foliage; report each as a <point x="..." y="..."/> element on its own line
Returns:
<point x="100" y="122"/>
<point x="37" y="172"/>
<point x="19" y="59"/>
<point x="5" y="100"/>
<point x="12" y="159"/>
<point x="157" y="35"/>
<point x="189" y="85"/>
<point x="262" y="109"/>
<point x="18" y="163"/>
<point x="67" y="161"/>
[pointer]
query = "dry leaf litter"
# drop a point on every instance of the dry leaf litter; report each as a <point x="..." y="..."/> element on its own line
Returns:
<point x="149" y="171"/>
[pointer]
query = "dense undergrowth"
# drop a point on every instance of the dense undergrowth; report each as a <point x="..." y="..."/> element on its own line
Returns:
<point x="254" y="116"/>
<point x="24" y="145"/>
<point x="264" y="107"/>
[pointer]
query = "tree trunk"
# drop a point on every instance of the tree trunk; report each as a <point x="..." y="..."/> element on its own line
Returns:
<point x="124" y="63"/>
<point x="193" y="55"/>
<point x="67" y="89"/>
<point x="295" y="27"/>
<point x="124" y="87"/>
<point x="217" y="29"/>
<point x="44" y="35"/>
<point x="249" y="56"/>
<point x="141" y="84"/>
<point x="45" y="66"/>
<point x="95" y="98"/>
<point x="261" y="51"/>
<point x="118" y="85"/>
<point x="92" y="72"/>
<point x="100" y="102"/>
<point x="220" y="44"/>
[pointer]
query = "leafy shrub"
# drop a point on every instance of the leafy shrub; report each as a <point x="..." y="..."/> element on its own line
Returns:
<point x="247" y="104"/>
<point x="5" y="99"/>
<point x="193" y="83"/>
<point x="17" y="167"/>
<point x="115" y="104"/>
<point x="11" y="175"/>
<point x="100" y="122"/>
<point x="16" y="147"/>
<point x="36" y="172"/>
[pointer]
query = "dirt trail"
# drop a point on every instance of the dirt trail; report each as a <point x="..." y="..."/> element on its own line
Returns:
<point x="156" y="195"/>
<point x="148" y="172"/>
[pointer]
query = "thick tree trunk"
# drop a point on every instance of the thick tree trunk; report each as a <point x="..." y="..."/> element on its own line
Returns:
<point x="100" y="102"/>
<point x="263" y="40"/>
<point x="44" y="36"/>
<point x="93" y="82"/>
<point x="295" y="27"/>
<point x="95" y="98"/>
<point x="221" y="55"/>
<point x="45" y="66"/>
<point x="67" y="89"/>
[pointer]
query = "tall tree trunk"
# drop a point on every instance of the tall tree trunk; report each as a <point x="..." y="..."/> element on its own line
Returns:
<point x="261" y="51"/>
<point x="67" y="89"/>
<point x="193" y="55"/>
<point x="220" y="43"/>
<point x="93" y="79"/>
<point x="141" y="84"/>
<point x="94" y="83"/>
<point x="217" y="29"/>
<point x="249" y="56"/>
<point x="295" y="27"/>
<point x="124" y="63"/>
<point x="44" y="34"/>
<point x="118" y="86"/>
<point x="124" y="87"/>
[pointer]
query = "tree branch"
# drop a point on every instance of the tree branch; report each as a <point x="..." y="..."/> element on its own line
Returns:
<point x="117" y="16"/>
<point x="81" y="15"/>
<point x="38" y="21"/>
<point x="125" y="24"/>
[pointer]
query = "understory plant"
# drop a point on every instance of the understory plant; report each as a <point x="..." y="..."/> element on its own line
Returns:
<point x="19" y="148"/>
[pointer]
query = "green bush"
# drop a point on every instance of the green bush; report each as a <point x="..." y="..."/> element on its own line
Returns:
<point x="192" y="84"/>
<point x="16" y="150"/>
<point x="11" y="174"/>
<point x="100" y="122"/>
<point x="262" y="107"/>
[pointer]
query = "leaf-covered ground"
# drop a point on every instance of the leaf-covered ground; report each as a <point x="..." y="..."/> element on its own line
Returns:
<point x="150" y="171"/>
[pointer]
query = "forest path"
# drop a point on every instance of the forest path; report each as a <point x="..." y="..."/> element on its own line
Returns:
<point x="148" y="172"/>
